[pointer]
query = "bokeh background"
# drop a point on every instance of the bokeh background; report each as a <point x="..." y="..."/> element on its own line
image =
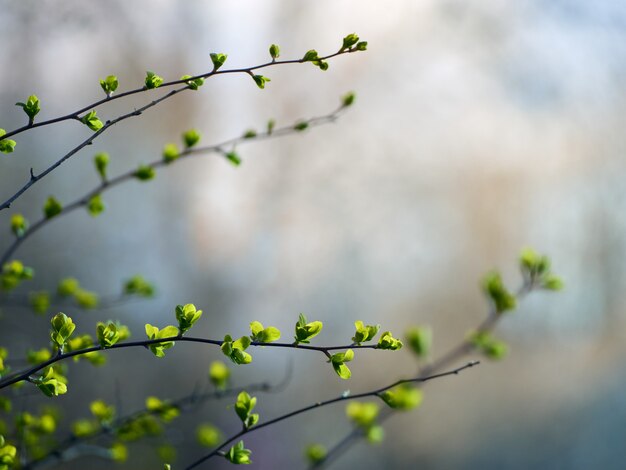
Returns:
<point x="480" y="127"/>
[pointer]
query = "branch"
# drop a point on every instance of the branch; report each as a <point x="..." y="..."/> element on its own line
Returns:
<point x="341" y="398"/>
<point x="75" y="115"/>
<point x="185" y="154"/>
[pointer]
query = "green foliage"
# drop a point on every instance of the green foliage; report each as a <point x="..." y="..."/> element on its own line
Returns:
<point x="163" y="409"/>
<point x="145" y="173"/>
<point x="170" y="153"/>
<point x="250" y="134"/>
<point x="219" y="374"/>
<point x="6" y="145"/>
<point x="218" y="60"/>
<point x="364" y="332"/>
<point x="83" y="428"/>
<point x="235" y="350"/>
<point x="68" y="286"/>
<point x="313" y="57"/>
<point x="37" y="357"/>
<point x="19" y="225"/>
<point x="31" y="107"/>
<point x="13" y="273"/>
<point x="264" y="335"/>
<point x="51" y="384"/>
<point x="348" y="99"/>
<point x="192" y="84"/>
<point x="403" y="397"/>
<point x="305" y="331"/>
<point x="95" y="205"/>
<point x="86" y="299"/>
<point x="102" y="412"/>
<point x="274" y="51"/>
<point x="187" y="316"/>
<point x="301" y="126"/>
<point x="243" y="407"/>
<point x="536" y="270"/>
<point x="101" y="161"/>
<point x="362" y="414"/>
<point x="208" y="435"/>
<point x="39" y="301"/>
<point x="107" y="334"/>
<point x="488" y="345"/>
<point x="8" y="454"/>
<point x="137" y="285"/>
<point x="270" y="126"/>
<point x="191" y="138"/>
<point x="420" y="340"/>
<point x="315" y="453"/>
<point x="118" y="452"/>
<point x="158" y="349"/>
<point x="62" y="329"/>
<point x="233" y="158"/>
<point x="152" y="80"/>
<point x="109" y="84"/>
<point x="387" y="341"/>
<point x="501" y="298"/>
<point x="92" y="121"/>
<point x="52" y="208"/>
<point x="338" y="362"/>
<point x="260" y="80"/>
<point x="238" y="454"/>
<point x="349" y="41"/>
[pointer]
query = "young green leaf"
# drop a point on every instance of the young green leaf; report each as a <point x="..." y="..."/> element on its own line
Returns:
<point x="305" y="331"/>
<point x="218" y="60"/>
<point x="219" y="374"/>
<point x="109" y="85"/>
<point x="274" y="51"/>
<point x="263" y="335"/>
<point x="91" y="121"/>
<point x="52" y="208"/>
<point x="338" y="362"/>
<point x="420" y="340"/>
<point x="501" y="298"/>
<point x="233" y="158"/>
<point x="102" y="412"/>
<point x="270" y="126"/>
<point x="403" y="397"/>
<point x="388" y="342"/>
<point x="310" y="55"/>
<point x="235" y="350"/>
<point x="349" y="41"/>
<point x="145" y="173"/>
<point x="19" y="225"/>
<point x="364" y="332"/>
<point x="208" y="435"/>
<point x="68" y="286"/>
<point x="62" y="329"/>
<point x="192" y="84"/>
<point x="348" y="99"/>
<point x="152" y="80"/>
<point x="101" y="161"/>
<point x="243" y="407"/>
<point x="191" y="138"/>
<point x="260" y="80"/>
<point x="137" y="285"/>
<point x="158" y="349"/>
<point x="95" y="206"/>
<point x="39" y="301"/>
<point x="13" y="273"/>
<point x="301" y="126"/>
<point x="361" y="46"/>
<point x="187" y="316"/>
<point x="31" y="108"/>
<point x="315" y="453"/>
<point x="51" y="384"/>
<point x="488" y="345"/>
<point x="238" y="454"/>
<point x="107" y="334"/>
<point x="6" y="145"/>
<point x="363" y="414"/>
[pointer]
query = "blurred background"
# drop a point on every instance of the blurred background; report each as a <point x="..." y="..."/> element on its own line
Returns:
<point x="480" y="127"/>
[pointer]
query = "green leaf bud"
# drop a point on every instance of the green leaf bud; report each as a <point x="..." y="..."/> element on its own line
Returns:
<point x="403" y="397"/>
<point x="315" y="453"/>
<point x="137" y="285"/>
<point x="158" y="349"/>
<point x="68" y="286"/>
<point x="193" y="84"/>
<point x="102" y="412"/>
<point x="305" y="331"/>
<point x="420" y="340"/>
<point x="488" y="345"/>
<point x="52" y="208"/>
<point x="233" y="158"/>
<point x="361" y="46"/>
<point x="31" y="107"/>
<point x="364" y="332"/>
<point x="153" y="80"/>
<point x="249" y="134"/>
<point x="310" y="56"/>
<point x="260" y="80"/>
<point x="238" y="454"/>
<point x="145" y="173"/>
<point x="86" y="299"/>
<point x="50" y="384"/>
<point x="191" y="138"/>
<point x="101" y="161"/>
<point x="501" y="298"/>
<point x="270" y="126"/>
<point x="187" y="316"/>
<point x="264" y="335"/>
<point x="348" y="99"/>
<point x="388" y="342"/>
<point x="301" y="126"/>
<point x="62" y="329"/>
<point x="109" y="84"/>
<point x="95" y="206"/>
<point x="91" y="121"/>
<point x="19" y="224"/>
<point x="6" y="145"/>
<point x="243" y="407"/>
<point x="39" y="301"/>
<point x="349" y="41"/>
<point x="107" y="334"/>
<point x="338" y="362"/>
<point x="208" y="435"/>
<point x="363" y="414"/>
<point x="218" y="60"/>
<point x="219" y="374"/>
<point x="274" y="51"/>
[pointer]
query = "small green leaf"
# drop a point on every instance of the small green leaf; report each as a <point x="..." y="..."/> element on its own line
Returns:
<point x="170" y="153"/>
<point x="118" y="452"/>
<point x="102" y="412"/>
<point x="187" y="316"/>
<point x="95" y="206"/>
<point x="19" y="225"/>
<point x="31" y="107"/>
<point x="68" y="286"/>
<point x="338" y="362"/>
<point x="238" y="454"/>
<point x="235" y="350"/>
<point x="274" y="51"/>
<point x="349" y="41"/>
<point x="219" y="374"/>
<point x="348" y="99"/>
<point x="270" y="126"/>
<point x="218" y="60"/>
<point x="243" y="407"/>
<point x="52" y="208"/>
<point x="260" y="80"/>
<point x="107" y="334"/>
<point x="158" y="349"/>
<point x="364" y="332"/>
<point x="420" y="340"/>
<point x="86" y="299"/>
<point x="363" y="414"/>
<point x="388" y="342"/>
<point x="145" y="173"/>
<point x="51" y="384"/>
<point x="264" y="335"/>
<point x="488" y="345"/>
<point x="193" y="84"/>
<point x="305" y="331"/>
<point x="153" y="80"/>
<point x="552" y="282"/>
<point x="301" y="126"/>
<point x="361" y="46"/>
<point x="403" y="397"/>
<point x="249" y="134"/>
<point x="39" y="301"/>
<point x="137" y="285"/>
<point x="315" y="453"/>
<point x="91" y="121"/>
<point x="62" y="329"/>
<point x="6" y="145"/>
<point x="109" y="84"/>
<point x="191" y="138"/>
<point x="501" y="298"/>
<point x="101" y="161"/>
<point x="310" y="55"/>
<point x="208" y="435"/>
<point x="233" y="158"/>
